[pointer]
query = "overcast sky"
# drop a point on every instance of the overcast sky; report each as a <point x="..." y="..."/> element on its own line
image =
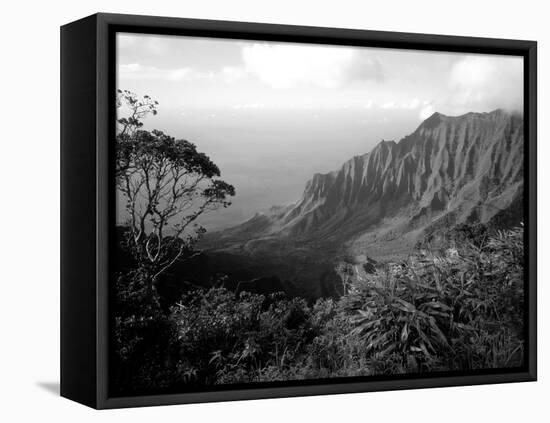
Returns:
<point x="270" y="115"/>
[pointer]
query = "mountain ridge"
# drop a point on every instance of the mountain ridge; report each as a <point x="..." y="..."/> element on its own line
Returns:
<point x="460" y="168"/>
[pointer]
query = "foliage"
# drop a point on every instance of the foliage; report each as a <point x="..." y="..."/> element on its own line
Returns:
<point x="226" y="338"/>
<point x="143" y="338"/>
<point x="136" y="109"/>
<point x="166" y="185"/>
<point x="459" y="311"/>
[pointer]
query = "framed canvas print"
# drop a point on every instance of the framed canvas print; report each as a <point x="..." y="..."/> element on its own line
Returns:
<point x="254" y="211"/>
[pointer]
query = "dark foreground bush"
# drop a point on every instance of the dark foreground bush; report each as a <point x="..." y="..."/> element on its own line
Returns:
<point x="460" y="310"/>
<point x="224" y="338"/>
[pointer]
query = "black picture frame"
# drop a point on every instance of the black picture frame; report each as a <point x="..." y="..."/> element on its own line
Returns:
<point x="87" y="125"/>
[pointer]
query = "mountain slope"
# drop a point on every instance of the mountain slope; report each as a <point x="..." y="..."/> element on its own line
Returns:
<point x="448" y="171"/>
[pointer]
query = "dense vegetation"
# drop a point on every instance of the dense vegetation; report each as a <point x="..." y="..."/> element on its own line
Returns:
<point x="458" y="309"/>
<point x="461" y="310"/>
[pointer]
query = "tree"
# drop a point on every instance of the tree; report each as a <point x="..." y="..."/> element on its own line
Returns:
<point x="167" y="185"/>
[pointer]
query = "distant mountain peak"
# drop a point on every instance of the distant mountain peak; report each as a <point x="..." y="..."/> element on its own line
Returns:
<point x="437" y="119"/>
<point x="433" y="121"/>
<point x="389" y="143"/>
<point x="452" y="169"/>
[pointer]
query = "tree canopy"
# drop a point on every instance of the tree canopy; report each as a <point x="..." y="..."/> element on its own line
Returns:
<point x="167" y="184"/>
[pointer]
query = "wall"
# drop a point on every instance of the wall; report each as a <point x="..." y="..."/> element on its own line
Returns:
<point x="30" y="197"/>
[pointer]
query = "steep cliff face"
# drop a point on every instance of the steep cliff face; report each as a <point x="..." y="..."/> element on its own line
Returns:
<point x="450" y="170"/>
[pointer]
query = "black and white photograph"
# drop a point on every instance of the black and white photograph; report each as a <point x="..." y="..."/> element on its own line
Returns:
<point x="292" y="212"/>
<point x="275" y="211"/>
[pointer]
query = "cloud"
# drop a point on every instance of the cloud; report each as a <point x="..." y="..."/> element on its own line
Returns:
<point x="246" y="106"/>
<point x="125" y="41"/>
<point x="484" y="83"/>
<point x="180" y="74"/>
<point x="136" y="71"/>
<point x="289" y="76"/>
<point x="288" y="65"/>
<point x="232" y="73"/>
<point x="412" y="104"/>
<point x="156" y="45"/>
<point x="277" y="65"/>
<point x="426" y="111"/>
<point x="389" y="105"/>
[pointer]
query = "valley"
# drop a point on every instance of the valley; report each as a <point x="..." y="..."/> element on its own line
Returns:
<point x="449" y="171"/>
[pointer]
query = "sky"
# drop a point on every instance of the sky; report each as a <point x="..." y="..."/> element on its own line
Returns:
<point x="271" y="115"/>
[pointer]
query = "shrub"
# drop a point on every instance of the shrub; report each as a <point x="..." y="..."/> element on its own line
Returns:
<point x="457" y="310"/>
<point x="463" y="310"/>
<point x="224" y="338"/>
<point x="142" y="353"/>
